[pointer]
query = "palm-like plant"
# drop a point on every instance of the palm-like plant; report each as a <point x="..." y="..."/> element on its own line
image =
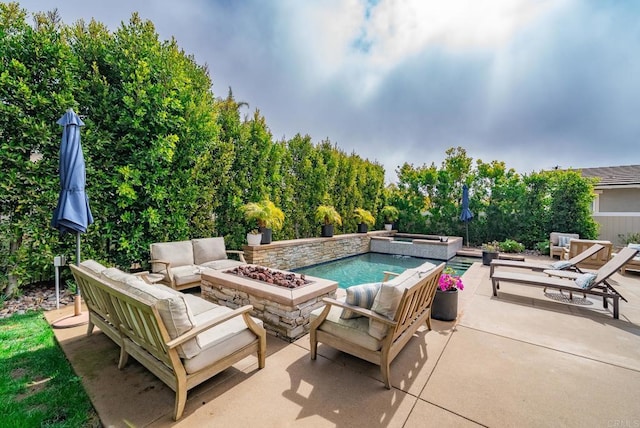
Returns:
<point x="265" y="213"/>
<point x="363" y="216"/>
<point x="326" y="214"/>
<point x="389" y="213"/>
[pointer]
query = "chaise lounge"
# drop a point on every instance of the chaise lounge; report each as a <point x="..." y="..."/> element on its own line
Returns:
<point x="381" y="319"/>
<point x="571" y="264"/>
<point x="586" y="283"/>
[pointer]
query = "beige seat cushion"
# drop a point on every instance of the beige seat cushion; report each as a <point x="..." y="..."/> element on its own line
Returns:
<point x="173" y="309"/>
<point x="115" y="277"/>
<point x="388" y="297"/>
<point x="197" y="304"/>
<point x="219" y="341"/>
<point x="208" y="249"/>
<point x="179" y="253"/>
<point x="93" y="266"/>
<point x="183" y="275"/>
<point x="354" y="330"/>
<point x="222" y="264"/>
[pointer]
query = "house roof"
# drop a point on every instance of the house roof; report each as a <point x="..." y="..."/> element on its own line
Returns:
<point x="614" y="175"/>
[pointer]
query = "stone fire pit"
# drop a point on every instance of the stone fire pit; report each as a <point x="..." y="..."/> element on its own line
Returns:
<point x="284" y="310"/>
<point x="270" y="276"/>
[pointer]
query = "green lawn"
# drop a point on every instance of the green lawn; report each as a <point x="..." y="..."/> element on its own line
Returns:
<point x="38" y="387"/>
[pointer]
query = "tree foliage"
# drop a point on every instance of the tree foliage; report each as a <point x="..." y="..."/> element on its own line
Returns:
<point x="167" y="160"/>
<point x="506" y="205"/>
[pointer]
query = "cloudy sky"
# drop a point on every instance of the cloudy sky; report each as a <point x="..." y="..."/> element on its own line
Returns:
<point x="533" y="83"/>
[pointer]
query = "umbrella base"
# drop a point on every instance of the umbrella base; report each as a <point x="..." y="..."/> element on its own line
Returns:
<point x="78" y="317"/>
<point x="71" y="320"/>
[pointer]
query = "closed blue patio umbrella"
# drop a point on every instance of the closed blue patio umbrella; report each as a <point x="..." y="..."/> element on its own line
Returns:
<point x="466" y="215"/>
<point x="72" y="214"/>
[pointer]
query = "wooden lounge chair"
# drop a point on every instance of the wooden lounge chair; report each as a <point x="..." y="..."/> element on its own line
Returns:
<point x="571" y="264"/>
<point x="374" y="337"/>
<point x="599" y="287"/>
<point x="577" y="246"/>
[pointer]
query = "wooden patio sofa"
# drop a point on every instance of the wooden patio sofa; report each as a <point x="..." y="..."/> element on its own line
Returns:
<point x="378" y="334"/>
<point x="180" y="262"/>
<point x="182" y="339"/>
<point x="577" y="246"/>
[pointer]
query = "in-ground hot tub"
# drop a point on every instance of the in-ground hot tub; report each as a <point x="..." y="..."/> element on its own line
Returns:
<point x="415" y="245"/>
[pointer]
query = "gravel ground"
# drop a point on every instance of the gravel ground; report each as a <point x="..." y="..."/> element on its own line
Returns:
<point x="41" y="296"/>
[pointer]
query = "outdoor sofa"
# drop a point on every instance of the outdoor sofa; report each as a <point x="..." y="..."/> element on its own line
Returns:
<point x="634" y="263"/>
<point x="577" y="246"/>
<point x="377" y="320"/>
<point x="559" y="241"/>
<point x="180" y="262"/>
<point x="182" y="339"/>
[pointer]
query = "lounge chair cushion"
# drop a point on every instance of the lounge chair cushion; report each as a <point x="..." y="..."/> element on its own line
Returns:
<point x="208" y="249"/>
<point x="585" y="280"/>
<point x="561" y="264"/>
<point x="634" y="246"/>
<point x="222" y="264"/>
<point x="361" y="295"/>
<point x="355" y="330"/>
<point x="179" y="253"/>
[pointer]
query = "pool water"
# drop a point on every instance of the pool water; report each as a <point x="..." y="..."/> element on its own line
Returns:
<point x="369" y="267"/>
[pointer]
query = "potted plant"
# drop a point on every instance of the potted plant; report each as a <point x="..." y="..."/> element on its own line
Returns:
<point x="266" y="215"/>
<point x="445" y="302"/>
<point x="364" y="219"/>
<point x="490" y="251"/>
<point x="327" y="216"/>
<point x="254" y="237"/>
<point x="390" y="215"/>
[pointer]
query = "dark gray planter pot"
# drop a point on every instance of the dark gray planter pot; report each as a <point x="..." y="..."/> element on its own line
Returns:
<point x="363" y="228"/>
<point x="487" y="256"/>
<point x="327" y="231"/>
<point x="266" y="235"/>
<point x="445" y="305"/>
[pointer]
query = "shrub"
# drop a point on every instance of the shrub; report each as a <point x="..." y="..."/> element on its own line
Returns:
<point x="511" y="246"/>
<point x="629" y="238"/>
<point x="543" y="247"/>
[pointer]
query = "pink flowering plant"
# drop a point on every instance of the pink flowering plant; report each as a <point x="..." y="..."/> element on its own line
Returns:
<point x="449" y="281"/>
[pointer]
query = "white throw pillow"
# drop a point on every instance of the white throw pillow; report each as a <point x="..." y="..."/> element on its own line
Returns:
<point x="388" y="298"/>
<point x="563" y="241"/>
<point x="362" y="295"/>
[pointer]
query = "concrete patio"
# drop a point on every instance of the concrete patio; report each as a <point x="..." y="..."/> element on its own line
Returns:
<point x="522" y="359"/>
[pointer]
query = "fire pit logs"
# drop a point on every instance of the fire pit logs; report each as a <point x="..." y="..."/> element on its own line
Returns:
<point x="261" y="273"/>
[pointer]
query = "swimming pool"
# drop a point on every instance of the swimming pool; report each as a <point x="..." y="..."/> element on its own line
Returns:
<point x="369" y="267"/>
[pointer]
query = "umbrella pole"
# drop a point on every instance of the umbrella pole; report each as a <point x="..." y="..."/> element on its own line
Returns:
<point x="78" y="317"/>
<point x="466" y="224"/>
<point x="77" y="301"/>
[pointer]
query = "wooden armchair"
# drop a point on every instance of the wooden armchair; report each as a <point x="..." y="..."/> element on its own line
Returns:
<point x="373" y="336"/>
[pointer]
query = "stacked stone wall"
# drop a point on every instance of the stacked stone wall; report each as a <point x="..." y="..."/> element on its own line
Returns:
<point x="297" y="253"/>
